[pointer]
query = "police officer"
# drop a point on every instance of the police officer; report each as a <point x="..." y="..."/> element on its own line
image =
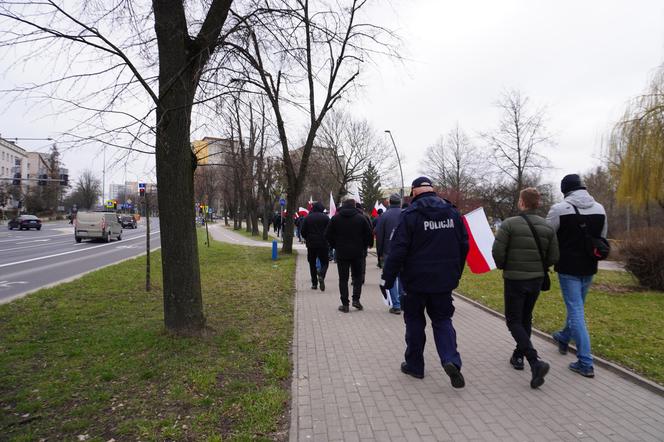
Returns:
<point x="428" y="252"/>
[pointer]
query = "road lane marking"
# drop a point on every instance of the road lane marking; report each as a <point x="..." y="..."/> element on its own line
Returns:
<point x="7" y="284"/>
<point x="17" y="237"/>
<point x="10" y="298"/>
<point x="33" y="240"/>
<point x="71" y="251"/>
<point x="34" y="246"/>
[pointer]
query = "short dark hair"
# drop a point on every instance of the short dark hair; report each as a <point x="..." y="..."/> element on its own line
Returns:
<point x="530" y="198"/>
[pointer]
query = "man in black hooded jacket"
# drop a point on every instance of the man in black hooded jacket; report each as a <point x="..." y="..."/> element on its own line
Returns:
<point x="349" y="233"/>
<point x="313" y="232"/>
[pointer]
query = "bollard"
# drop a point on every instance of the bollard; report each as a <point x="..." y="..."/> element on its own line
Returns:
<point x="274" y="250"/>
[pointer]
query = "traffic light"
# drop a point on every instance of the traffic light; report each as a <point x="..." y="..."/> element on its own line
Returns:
<point x="17" y="179"/>
<point x="141" y="191"/>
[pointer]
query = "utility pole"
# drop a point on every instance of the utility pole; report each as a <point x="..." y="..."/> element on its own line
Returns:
<point x="148" y="286"/>
<point x="103" y="180"/>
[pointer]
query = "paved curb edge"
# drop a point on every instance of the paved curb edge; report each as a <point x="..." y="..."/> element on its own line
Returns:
<point x="293" y="430"/>
<point x="611" y="366"/>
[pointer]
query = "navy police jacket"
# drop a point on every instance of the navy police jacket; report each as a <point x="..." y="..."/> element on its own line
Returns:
<point x="428" y="248"/>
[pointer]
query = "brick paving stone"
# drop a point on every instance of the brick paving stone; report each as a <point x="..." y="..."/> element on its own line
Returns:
<point x="346" y="367"/>
<point x="351" y="363"/>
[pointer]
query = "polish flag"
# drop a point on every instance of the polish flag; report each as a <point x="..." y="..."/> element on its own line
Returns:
<point x="333" y="207"/>
<point x="480" y="239"/>
<point x="374" y="212"/>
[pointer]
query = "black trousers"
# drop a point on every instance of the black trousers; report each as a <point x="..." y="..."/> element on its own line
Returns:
<point x="322" y="254"/>
<point x="520" y="299"/>
<point x="440" y="309"/>
<point x="348" y="268"/>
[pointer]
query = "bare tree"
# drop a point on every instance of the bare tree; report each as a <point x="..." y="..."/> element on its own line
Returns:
<point x="454" y="164"/>
<point x="86" y="191"/>
<point x="305" y="57"/>
<point x="350" y="145"/>
<point x="160" y="57"/>
<point x="515" y="144"/>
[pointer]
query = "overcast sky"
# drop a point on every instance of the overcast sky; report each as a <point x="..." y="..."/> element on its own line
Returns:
<point x="582" y="60"/>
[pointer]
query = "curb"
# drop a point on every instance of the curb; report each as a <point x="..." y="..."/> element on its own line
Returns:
<point x="611" y="366"/>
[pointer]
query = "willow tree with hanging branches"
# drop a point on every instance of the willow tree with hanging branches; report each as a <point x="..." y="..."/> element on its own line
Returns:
<point x="637" y="148"/>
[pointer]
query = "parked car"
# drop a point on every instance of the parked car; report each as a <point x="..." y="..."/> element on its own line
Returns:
<point x="26" y="222"/>
<point x="127" y="221"/>
<point x="97" y="225"/>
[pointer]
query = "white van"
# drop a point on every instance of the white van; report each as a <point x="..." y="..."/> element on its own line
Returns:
<point x="97" y="225"/>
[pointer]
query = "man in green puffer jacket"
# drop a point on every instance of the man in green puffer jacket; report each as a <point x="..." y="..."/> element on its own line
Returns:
<point x="516" y="253"/>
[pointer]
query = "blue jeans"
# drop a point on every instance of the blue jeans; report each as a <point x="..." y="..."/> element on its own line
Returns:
<point x="575" y="290"/>
<point x="395" y="293"/>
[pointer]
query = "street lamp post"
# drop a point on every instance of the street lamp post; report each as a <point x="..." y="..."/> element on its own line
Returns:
<point x="399" y="161"/>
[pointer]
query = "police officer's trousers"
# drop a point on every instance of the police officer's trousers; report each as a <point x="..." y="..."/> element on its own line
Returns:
<point x="440" y="309"/>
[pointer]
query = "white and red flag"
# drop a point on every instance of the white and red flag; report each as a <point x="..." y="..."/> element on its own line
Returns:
<point x="333" y="207"/>
<point x="480" y="240"/>
<point x="374" y="212"/>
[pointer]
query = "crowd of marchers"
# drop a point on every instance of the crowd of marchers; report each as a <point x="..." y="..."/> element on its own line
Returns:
<point x="422" y="246"/>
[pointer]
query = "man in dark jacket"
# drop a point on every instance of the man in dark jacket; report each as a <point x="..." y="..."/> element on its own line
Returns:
<point x="428" y="251"/>
<point x="576" y="266"/>
<point x="349" y="233"/>
<point x="313" y="232"/>
<point x="385" y="225"/>
<point x="523" y="273"/>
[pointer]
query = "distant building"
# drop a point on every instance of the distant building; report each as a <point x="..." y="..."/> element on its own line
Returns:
<point x="13" y="166"/>
<point x="38" y="164"/>
<point x="211" y="150"/>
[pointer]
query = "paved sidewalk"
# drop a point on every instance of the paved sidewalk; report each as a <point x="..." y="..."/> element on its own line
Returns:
<point x="347" y="384"/>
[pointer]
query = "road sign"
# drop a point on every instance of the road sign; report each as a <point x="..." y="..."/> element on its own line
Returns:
<point x="282" y="202"/>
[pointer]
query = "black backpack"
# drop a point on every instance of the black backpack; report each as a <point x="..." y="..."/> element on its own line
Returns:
<point x="597" y="248"/>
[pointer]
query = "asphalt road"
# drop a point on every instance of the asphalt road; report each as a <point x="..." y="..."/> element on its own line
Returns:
<point x="34" y="259"/>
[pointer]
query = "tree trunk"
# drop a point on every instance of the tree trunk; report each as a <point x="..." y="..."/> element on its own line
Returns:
<point x="183" y="302"/>
<point x="292" y="194"/>
<point x="181" y="62"/>
<point x="266" y="221"/>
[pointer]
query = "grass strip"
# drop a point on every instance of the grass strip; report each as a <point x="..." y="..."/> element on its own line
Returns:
<point x="91" y="360"/>
<point x="625" y="321"/>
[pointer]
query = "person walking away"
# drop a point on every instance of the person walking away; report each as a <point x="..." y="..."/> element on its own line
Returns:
<point x="573" y="219"/>
<point x="313" y="232"/>
<point x="350" y="235"/>
<point x="428" y="252"/>
<point x="516" y="252"/>
<point x="276" y="221"/>
<point x="385" y="225"/>
<point x="360" y="209"/>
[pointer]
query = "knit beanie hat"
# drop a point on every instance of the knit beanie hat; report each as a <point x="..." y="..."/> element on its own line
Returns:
<point x="395" y="198"/>
<point x="570" y="183"/>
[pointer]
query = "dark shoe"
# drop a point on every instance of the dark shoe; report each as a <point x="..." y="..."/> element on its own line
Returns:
<point x="540" y="369"/>
<point x="357" y="305"/>
<point x="314" y="287"/>
<point x="395" y="310"/>
<point x="406" y="370"/>
<point x="321" y="282"/>
<point x="344" y="308"/>
<point x="455" y="375"/>
<point x="584" y="371"/>
<point x="517" y="362"/>
<point x="562" y="346"/>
